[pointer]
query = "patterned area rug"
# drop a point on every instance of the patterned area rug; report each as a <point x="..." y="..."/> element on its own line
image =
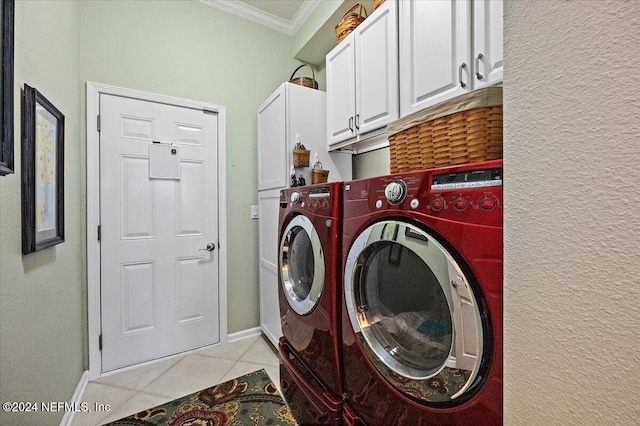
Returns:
<point x="248" y="400"/>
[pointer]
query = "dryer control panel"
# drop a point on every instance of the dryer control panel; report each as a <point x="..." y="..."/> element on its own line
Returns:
<point x="456" y="185"/>
<point x="314" y="199"/>
<point x="470" y="193"/>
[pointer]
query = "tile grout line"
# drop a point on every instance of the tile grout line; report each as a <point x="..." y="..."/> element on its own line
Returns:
<point x="137" y="392"/>
<point x="119" y="406"/>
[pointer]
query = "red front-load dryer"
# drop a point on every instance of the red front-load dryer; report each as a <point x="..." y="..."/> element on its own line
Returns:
<point x="422" y="305"/>
<point x="308" y="276"/>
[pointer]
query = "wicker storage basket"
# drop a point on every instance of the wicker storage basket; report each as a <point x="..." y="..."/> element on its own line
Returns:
<point x="377" y="3"/>
<point x="465" y="130"/>
<point x="350" y="21"/>
<point x="301" y="157"/>
<point x="304" y="81"/>
<point x="319" y="176"/>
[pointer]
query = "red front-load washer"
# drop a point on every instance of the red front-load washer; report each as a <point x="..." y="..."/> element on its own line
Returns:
<point x="309" y="276"/>
<point x="422" y="305"/>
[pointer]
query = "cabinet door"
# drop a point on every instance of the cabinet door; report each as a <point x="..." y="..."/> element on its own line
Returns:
<point x="434" y="52"/>
<point x="269" y="207"/>
<point x="376" y="47"/>
<point x="341" y="92"/>
<point x="272" y="142"/>
<point x="487" y="42"/>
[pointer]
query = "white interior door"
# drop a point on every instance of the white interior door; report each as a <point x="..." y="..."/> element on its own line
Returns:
<point x="158" y="214"/>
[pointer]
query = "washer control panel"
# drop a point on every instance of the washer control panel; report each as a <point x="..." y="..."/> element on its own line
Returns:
<point x="461" y="191"/>
<point x="316" y="199"/>
<point x="470" y="193"/>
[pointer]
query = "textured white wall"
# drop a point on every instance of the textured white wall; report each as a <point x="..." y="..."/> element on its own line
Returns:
<point x="572" y="224"/>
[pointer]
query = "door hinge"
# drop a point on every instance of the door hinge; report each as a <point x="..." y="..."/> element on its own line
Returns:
<point x="98" y="122"/>
<point x="100" y="342"/>
<point x="99" y="232"/>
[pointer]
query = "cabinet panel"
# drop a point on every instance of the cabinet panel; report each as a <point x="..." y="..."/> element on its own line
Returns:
<point x="272" y="143"/>
<point x="377" y="70"/>
<point x="362" y="78"/>
<point x="341" y="91"/>
<point x="487" y="42"/>
<point x="269" y="208"/>
<point x="434" y="45"/>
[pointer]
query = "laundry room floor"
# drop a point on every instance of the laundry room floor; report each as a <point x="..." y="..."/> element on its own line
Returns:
<point x="153" y="384"/>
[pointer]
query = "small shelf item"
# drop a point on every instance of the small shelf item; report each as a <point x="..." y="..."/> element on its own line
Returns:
<point x="300" y="154"/>
<point x="319" y="175"/>
<point x="304" y="81"/>
<point x="350" y="21"/>
<point x="297" y="181"/>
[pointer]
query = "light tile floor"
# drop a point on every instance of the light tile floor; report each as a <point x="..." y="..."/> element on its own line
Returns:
<point x="153" y="384"/>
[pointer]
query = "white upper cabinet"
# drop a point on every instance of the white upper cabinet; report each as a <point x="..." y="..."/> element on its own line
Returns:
<point x="377" y="101"/>
<point x="434" y="50"/>
<point x="362" y="77"/>
<point x="447" y="48"/>
<point x="341" y="91"/>
<point x="272" y="142"/>
<point x="487" y="42"/>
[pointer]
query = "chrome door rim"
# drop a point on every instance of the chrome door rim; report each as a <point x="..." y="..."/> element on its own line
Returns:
<point x="361" y="326"/>
<point x="303" y="306"/>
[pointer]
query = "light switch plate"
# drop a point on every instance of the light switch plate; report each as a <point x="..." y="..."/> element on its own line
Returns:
<point x="254" y="212"/>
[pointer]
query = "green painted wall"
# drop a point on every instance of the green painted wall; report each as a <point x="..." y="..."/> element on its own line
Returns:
<point x="373" y="163"/>
<point x="42" y="295"/>
<point x="178" y="48"/>
<point x="191" y="50"/>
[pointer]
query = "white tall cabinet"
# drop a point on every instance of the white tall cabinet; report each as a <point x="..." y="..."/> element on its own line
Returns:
<point x="448" y="48"/>
<point x="362" y="77"/>
<point x="291" y="111"/>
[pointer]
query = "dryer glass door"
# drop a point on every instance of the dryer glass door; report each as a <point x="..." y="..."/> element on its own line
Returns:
<point x="301" y="265"/>
<point x="413" y="310"/>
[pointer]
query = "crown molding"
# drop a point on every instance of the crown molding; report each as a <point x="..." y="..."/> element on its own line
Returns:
<point x="251" y="13"/>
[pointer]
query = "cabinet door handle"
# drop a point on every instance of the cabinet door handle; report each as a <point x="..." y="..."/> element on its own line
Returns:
<point x="462" y="83"/>
<point x="478" y="75"/>
<point x="351" y="124"/>
<point x="357" y="121"/>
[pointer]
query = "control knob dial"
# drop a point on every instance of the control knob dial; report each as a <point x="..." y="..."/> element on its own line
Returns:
<point x="437" y="203"/>
<point x="396" y="191"/>
<point x="296" y="198"/>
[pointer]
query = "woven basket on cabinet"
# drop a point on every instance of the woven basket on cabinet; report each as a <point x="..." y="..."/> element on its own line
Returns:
<point x="350" y="21"/>
<point x="304" y="81"/>
<point x="465" y="130"/>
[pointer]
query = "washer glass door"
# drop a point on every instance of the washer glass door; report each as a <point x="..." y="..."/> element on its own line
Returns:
<point x="301" y="265"/>
<point x="413" y="311"/>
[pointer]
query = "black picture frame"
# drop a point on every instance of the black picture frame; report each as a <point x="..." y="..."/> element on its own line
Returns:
<point x="42" y="172"/>
<point x="6" y="139"/>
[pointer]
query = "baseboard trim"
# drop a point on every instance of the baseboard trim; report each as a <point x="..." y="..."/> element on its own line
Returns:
<point x="239" y="335"/>
<point x="76" y="399"/>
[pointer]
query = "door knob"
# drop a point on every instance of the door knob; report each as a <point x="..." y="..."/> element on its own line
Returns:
<point x="210" y="247"/>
